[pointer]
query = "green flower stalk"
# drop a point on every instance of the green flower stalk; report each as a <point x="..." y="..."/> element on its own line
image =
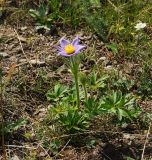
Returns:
<point x="83" y="80"/>
<point x="71" y="49"/>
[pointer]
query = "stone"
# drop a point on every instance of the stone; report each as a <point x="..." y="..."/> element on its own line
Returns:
<point x="36" y="62"/>
<point x="4" y="54"/>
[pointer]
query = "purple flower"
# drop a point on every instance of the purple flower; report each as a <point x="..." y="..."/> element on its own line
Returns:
<point x="69" y="49"/>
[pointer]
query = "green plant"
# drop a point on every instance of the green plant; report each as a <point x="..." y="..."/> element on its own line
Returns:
<point x="43" y="20"/>
<point x="71" y="96"/>
<point x="71" y="118"/>
<point x="114" y="22"/>
<point x="114" y="48"/>
<point x="55" y="145"/>
<point x="145" y="87"/>
<point x="58" y="93"/>
<point x="91" y="144"/>
<point x="71" y="50"/>
<point x="92" y="108"/>
<point x="95" y="82"/>
<point x="57" y="12"/>
<point x="65" y="94"/>
<point x="13" y="126"/>
<point x="94" y="17"/>
<point x="118" y="81"/>
<point x="123" y="106"/>
<point x="41" y="82"/>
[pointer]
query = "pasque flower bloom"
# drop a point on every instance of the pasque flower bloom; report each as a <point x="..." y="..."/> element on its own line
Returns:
<point x="69" y="49"/>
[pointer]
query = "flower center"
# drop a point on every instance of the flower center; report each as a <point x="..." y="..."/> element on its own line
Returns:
<point x="69" y="49"/>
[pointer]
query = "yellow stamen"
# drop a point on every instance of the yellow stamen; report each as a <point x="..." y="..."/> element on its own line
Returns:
<point x="69" y="49"/>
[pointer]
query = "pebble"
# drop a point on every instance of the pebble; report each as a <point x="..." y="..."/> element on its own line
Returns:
<point x="102" y="58"/>
<point x="4" y="54"/>
<point x="22" y="39"/>
<point x="23" y="28"/>
<point x="36" y="62"/>
<point x="109" y="67"/>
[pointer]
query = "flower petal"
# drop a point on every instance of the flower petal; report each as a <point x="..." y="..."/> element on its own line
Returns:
<point x="58" y="48"/>
<point x="75" y="41"/>
<point x="78" y="48"/>
<point x="62" y="53"/>
<point x="64" y="42"/>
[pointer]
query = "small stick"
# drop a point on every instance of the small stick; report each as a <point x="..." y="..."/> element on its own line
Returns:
<point x="146" y="140"/>
<point x="96" y="132"/>
<point x="46" y="152"/>
<point x="15" y="146"/>
<point x="22" y="47"/>
<point x="2" y="114"/>
<point x="63" y="148"/>
<point x="112" y="4"/>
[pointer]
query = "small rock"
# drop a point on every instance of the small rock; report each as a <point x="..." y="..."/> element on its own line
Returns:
<point x="102" y="58"/>
<point x="4" y="54"/>
<point x="15" y="158"/>
<point x="13" y="58"/>
<point x="42" y="154"/>
<point x="22" y="60"/>
<point x="128" y="136"/>
<point x="22" y="39"/>
<point x="23" y="28"/>
<point x="36" y="62"/>
<point x="108" y="67"/>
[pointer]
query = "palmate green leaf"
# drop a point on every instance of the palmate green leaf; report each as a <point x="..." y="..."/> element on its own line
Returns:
<point x="95" y="3"/>
<point x="130" y="102"/>
<point x="40" y="13"/>
<point x="72" y="119"/>
<point x="96" y="82"/>
<point x="39" y="26"/>
<point x="112" y="110"/>
<point x="58" y="92"/>
<point x="121" y="102"/>
<point x="14" y="126"/>
<point x="43" y="10"/>
<point x="34" y="13"/>
<point x="122" y="113"/>
<point x="115" y="97"/>
<point x="113" y="47"/>
<point x="93" y="108"/>
<point x="123" y="106"/>
<point x="59" y="89"/>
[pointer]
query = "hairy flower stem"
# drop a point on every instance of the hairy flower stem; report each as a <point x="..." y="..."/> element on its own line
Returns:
<point x="77" y="89"/>
<point x="75" y="69"/>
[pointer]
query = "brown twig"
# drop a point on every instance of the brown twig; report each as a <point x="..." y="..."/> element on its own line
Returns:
<point x="15" y="146"/>
<point x="22" y="48"/>
<point x="46" y="152"/>
<point x="109" y="1"/>
<point x="2" y="114"/>
<point x="63" y="148"/>
<point x="146" y="140"/>
<point x="96" y="132"/>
